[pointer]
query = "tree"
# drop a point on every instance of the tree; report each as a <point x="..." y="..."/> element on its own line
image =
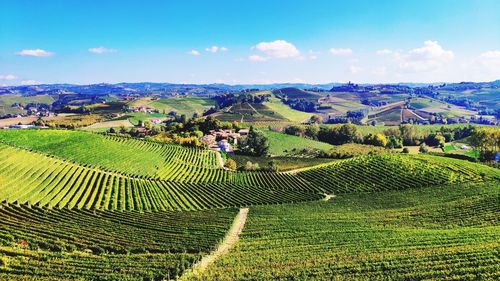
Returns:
<point x="249" y="166"/>
<point x="408" y="133"/>
<point x="378" y="139"/>
<point x="312" y="131"/>
<point x="316" y="119"/>
<point x="487" y="141"/>
<point x="295" y="130"/>
<point x="435" y="140"/>
<point x="394" y="142"/>
<point x="273" y="165"/>
<point x="254" y="144"/>
<point x="230" y="164"/>
<point x="347" y="133"/>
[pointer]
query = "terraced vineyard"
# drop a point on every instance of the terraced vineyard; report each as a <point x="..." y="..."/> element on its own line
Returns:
<point x="435" y="233"/>
<point x="42" y="244"/>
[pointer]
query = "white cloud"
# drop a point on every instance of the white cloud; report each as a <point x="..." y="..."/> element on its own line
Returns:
<point x="384" y="52"/>
<point x="194" y="53"/>
<point x="312" y="55"/>
<point x="30" y="82"/>
<point x="490" y="61"/>
<point x="278" y="49"/>
<point x="355" y="69"/>
<point x="380" y="71"/>
<point x="341" y="51"/>
<point x="34" y="53"/>
<point x="101" y="50"/>
<point x="430" y="57"/>
<point x="256" y="58"/>
<point x="8" y="77"/>
<point x="215" y="49"/>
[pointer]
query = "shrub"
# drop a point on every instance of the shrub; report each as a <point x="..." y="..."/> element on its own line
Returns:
<point x="230" y="164"/>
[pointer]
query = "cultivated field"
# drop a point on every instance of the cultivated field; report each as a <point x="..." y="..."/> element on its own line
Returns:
<point x="79" y="205"/>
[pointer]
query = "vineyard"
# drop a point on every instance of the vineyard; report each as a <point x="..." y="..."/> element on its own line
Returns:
<point x="393" y="172"/>
<point x="46" y="181"/>
<point x="42" y="244"/>
<point x="77" y="205"/>
<point x="451" y="233"/>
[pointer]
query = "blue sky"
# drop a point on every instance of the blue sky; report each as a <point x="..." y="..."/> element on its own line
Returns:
<point x="255" y="41"/>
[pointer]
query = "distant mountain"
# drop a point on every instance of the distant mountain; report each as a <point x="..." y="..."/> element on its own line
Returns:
<point x="166" y="89"/>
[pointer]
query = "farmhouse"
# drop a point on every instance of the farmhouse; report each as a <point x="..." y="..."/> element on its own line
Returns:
<point x="223" y="140"/>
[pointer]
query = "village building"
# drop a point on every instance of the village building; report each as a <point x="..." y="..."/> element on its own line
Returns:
<point x="223" y="140"/>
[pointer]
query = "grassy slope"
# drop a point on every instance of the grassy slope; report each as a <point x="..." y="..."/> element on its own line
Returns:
<point x="284" y="163"/>
<point x="287" y="112"/>
<point x="135" y="117"/>
<point x="6" y="102"/>
<point x="435" y="106"/>
<point x="86" y="148"/>
<point x="104" y="126"/>
<point x="279" y="142"/>
<point x="430" y="233"/>
<point x="181" y="105"/>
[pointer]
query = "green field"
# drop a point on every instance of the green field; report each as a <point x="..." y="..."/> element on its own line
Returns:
<point x="6" y="102"/>
<point x="287" y="112"/>
<point x="434" y="106"/>
<point x="282" y="144"/>
<point x="283" y="163"/>
<point x="435" y="233"/>
<point x="135" y="117"/>
<point x="180" y="105"/>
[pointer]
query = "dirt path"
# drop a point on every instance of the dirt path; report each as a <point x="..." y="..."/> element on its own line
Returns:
<point x="228" y="242"/>
<point x="253" y="108"/>
<point x="219" y="158"/>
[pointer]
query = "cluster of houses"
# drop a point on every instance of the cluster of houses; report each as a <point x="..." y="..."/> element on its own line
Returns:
<point x="20" y="126"/>
<point x="142" y="109"/>
<point x="39" y="110"/>
<point x="223" y="140"/>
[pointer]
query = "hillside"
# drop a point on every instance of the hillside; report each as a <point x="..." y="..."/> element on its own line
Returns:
<point x="295" y="93"/>
<point x="70" y="205"/>
<point x="287" y="112"/>
<point x="435" y="233"/>
<point x="249" y="112"/>
<point x="179" y="105"/>
<point x="281" y="144"/>
<point x="7" y="102"/>
<point x="42" y="244"/>
<point x="394" y="172"/>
